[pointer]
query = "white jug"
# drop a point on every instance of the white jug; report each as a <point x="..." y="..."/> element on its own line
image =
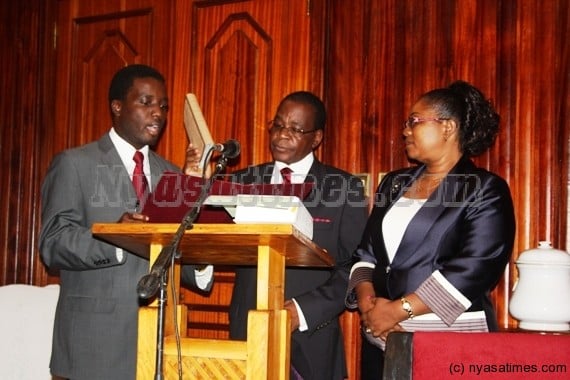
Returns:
<point x="541" y="297"/>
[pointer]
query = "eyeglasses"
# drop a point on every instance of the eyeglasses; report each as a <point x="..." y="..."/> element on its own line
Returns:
<point x="277" y="126"/>
<point x="412" y="121"/>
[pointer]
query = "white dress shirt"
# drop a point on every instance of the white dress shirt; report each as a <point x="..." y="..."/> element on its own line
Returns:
<point x="300" y="169"/>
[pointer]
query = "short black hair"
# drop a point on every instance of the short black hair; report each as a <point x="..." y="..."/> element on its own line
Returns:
<point x="312" y="100"/>
<point x="123" y="80"/>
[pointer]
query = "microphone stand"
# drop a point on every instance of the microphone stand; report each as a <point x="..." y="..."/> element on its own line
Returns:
<point x="156" y="280"/>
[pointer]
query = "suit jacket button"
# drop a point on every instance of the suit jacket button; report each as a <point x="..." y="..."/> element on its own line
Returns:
<point x="388" y="269"/>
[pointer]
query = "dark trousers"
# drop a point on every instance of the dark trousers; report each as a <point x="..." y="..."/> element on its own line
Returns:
<point x="371" y="361"/>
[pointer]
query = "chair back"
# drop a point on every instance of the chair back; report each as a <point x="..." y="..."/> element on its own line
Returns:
<point x="26" y="329"/>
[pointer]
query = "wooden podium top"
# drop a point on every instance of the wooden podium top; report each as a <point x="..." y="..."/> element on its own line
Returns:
<point x="218" y="244"/>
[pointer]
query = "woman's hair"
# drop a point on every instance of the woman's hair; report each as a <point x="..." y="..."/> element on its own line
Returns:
<point x="478" y="123"/>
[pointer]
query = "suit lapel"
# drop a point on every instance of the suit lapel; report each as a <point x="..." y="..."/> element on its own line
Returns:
<point x="391" y="191"/>
<point x="155" y="169"/>
<point x="267" y="172"/>
<point x="121" y="180"/>
<point x="316" y="175"/>
<point x="263" y="173"/>
<point x="451" y="191"/>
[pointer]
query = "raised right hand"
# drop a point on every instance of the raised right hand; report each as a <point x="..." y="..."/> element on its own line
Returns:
<point x="192" y="162"/>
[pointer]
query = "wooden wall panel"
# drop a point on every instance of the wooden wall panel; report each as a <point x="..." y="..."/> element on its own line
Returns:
<point x="346" y="130"/>
<point x="94" y="40"/>
<point x="25" y="66"/>
<point x="381" y="55"/>
<point x="241" y="58"/>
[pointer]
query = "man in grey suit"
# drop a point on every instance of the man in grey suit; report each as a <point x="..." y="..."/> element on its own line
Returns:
<point x="95" y="332"/>
<point x="314" y="297"/>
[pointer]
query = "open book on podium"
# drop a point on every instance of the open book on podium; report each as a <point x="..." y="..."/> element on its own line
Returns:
<point x="229" y="202"/>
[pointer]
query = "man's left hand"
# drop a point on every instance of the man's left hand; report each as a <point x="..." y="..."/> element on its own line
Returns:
<point x="290" y="305"/>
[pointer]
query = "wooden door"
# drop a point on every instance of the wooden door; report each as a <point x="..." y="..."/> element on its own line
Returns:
<point x="95" y="39"/>
<point x="240" y="58"/>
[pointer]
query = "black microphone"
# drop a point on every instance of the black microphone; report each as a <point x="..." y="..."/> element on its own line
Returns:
<point x="149" y="284"/>
<point x="230" y="149"/>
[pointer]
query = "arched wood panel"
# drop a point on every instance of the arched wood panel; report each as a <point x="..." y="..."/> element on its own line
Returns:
<point x="240" y="58"/>
<point x="93" y="42"/>
<point x="380" y="55"/>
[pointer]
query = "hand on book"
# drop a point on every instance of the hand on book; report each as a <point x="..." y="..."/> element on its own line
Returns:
<point x="133" y="217"/>
<point x="192" y="163"/>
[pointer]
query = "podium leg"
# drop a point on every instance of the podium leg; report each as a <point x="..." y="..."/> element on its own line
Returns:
<point x="268" y="344"/>
<point x="270" y="323"/>
<point x="270" y="278"/>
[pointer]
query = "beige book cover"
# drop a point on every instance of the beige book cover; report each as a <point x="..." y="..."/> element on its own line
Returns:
<point x="196" y="127"/>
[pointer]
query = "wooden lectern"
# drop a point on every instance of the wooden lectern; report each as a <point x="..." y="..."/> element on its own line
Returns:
<point x="265" y="354"/>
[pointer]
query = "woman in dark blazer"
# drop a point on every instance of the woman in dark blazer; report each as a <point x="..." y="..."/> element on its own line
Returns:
<point x="440" y="233"/>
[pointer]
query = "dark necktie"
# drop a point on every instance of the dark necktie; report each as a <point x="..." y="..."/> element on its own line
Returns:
<point x="139" y="179"/>
<point x="286" y="174"/>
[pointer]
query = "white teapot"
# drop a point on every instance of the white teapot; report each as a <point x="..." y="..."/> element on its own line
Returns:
<point x="541" y="296"/>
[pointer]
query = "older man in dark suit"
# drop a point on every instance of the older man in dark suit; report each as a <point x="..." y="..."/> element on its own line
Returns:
<point x="314" y="297"/>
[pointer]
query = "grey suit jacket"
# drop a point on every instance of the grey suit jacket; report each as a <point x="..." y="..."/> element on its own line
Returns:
<point x="95" y="332"/>
<point x="339" y="212"/>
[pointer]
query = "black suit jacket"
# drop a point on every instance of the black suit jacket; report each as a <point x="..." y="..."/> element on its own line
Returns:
<point x="339" y="210"/>
<point x="465" y="230"/>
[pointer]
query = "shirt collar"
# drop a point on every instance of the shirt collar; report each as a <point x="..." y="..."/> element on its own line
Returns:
<point x="124" y="147"/>
<point x="127" y="151"/>
<point x="300" y="169"/>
